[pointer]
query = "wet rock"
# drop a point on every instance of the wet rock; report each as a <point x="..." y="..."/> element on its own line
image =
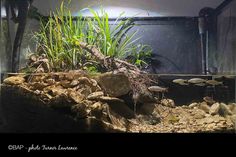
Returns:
<point x="74" y="83"/>
<point x="76" y="97"/>
<point x="224" y="110"/>
<point x="203" y="106"/>
<point x="193" y="105"/>
<point x="214" y="109"/>
<point x="14" y="80"/>
<point x="85" y="80"/>
<point x="95" y="95"/>
<point x="168" y="102"/>
<point x="232" y="107"/>
<point x="115" y="85"/>
<point x="199" y="114"/>
<point x="54" y="90"/>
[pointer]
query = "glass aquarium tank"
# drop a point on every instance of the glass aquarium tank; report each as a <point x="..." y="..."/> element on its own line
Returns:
<point x="124" y="66"/>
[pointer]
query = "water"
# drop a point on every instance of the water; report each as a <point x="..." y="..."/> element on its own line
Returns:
<point x="18" y="108"/>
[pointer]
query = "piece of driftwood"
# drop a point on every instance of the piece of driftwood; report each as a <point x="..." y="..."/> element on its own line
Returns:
<point x="108" y="62"/>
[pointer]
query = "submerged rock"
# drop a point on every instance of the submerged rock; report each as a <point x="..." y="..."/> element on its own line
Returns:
<point x="76" y="97"/>
<point x="203" y="106"/>
<point x="232" y="108"/>
<point x="95" y="95"/>
<point x="168" y="102"/>
<point x="114" y="85"/>
<point x="14" y="80"/>
<point x="224" y="110"/>
<point x="199" y="114"/>
<point x="193" y="105"/>
<point x="214" y="109"/>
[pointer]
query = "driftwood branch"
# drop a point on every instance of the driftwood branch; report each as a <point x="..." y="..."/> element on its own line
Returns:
<point x="108" y="62"/>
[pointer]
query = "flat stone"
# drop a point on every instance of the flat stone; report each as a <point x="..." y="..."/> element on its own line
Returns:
<point x="14" y="80"/>
<point x="74" y="83"/>
<point x="95" y="95"/>
<point x="193" y="105"/>
<point x="114" y="85"/>
<point x="203" y="106"/>
<point x="214" y="109"/>
<point x="76" y="97"/>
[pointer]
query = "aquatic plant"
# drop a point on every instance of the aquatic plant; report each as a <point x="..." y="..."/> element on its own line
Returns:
<point x="61" y="33"/>
<point x="114" y="42"/>
<point x="56" y="39"/>
<point x="140" y="55"/>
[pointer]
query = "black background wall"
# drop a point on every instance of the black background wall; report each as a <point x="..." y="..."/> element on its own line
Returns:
<point x="175" y="42"/>
<point x="224" y="57"/>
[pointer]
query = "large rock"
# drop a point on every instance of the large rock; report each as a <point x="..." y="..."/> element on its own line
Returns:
<point x="14" y="80"/>
<point x="203" y="106"/>
<point x="114" y="85"/>
<point x="232" y="107"/>
<point x="224" y="110"/>
<point x="214" y="109"/>
<point x="193" y="105"/>
<point x="95" y="95"/>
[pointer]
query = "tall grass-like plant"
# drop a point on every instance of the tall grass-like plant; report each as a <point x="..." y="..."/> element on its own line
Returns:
<point x="59" y="35"/>
<point x="114" y="42"/>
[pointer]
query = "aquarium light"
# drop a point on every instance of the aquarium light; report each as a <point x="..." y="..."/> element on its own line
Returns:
<point x="3" y="12"/>
<point x="114" y="12"/>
